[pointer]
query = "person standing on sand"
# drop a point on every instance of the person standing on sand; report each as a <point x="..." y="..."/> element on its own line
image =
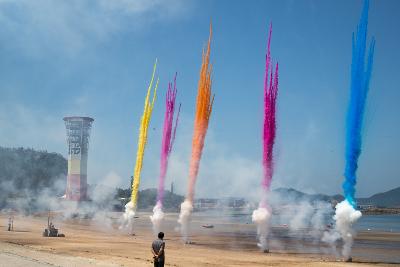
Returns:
<point x="158" y="250"/>
<point x="9" y="223"/>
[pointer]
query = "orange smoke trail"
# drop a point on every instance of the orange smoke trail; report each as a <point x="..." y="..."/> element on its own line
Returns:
<point x="204" y="105"/>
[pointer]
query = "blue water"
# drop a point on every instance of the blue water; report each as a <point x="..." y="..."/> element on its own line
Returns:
<point x="386" y="223"/>
<point x="379" y="223"/>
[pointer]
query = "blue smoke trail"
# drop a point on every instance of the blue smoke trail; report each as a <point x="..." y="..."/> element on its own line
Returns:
<point x="360" y="77"/>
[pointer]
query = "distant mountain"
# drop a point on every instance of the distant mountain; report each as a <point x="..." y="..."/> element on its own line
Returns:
<point x="293" y="195"/>
<point x="387" y="199"/>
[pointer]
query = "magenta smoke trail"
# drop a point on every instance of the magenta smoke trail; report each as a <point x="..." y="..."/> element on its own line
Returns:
<point x="262" y="215"/>
<point x="168" y="136"/>
<point x="269" y="131"/>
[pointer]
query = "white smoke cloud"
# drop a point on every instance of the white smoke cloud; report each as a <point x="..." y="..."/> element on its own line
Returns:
<point x="220" y="165"/>
<point x="128" y="218"/>
<point x="48" y="199"/>
<point x="302" y="214"/>
<point x="345" y="217"/>
<point x="184" y="219"/>
<point x="157" y="218"/>
<point x="105" y="190"/>
<point x="261" y="217"/>
<point x="306" y="221"/>
<point x="98" y="209"/>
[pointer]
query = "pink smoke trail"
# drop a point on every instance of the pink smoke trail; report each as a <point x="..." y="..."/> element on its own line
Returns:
<point x="168" y="137"/>
<point x="269" y="131"/>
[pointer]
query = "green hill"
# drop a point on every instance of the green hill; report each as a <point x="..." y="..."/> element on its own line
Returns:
<point x="25" y="173"/>
<point x="147" y="199"/>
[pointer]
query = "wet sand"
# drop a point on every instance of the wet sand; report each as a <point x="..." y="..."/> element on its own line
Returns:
<point x="90" y="243"/>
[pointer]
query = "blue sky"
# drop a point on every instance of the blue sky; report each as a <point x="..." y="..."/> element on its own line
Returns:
<point x="94" y="58"/>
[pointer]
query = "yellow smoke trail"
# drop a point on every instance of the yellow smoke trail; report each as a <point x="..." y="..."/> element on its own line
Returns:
<point x="144" y="125"/>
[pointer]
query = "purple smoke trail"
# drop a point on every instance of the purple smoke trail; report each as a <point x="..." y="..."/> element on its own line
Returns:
<point x="269" y="131"/>
<point x="168" y="137"/>
<point x="176" y="125"/>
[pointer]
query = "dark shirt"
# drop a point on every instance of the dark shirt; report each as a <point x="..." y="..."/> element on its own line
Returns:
<point x="156" y="245"/>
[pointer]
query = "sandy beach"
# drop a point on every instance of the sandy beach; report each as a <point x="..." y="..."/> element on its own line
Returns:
<point x="94" y="243"/>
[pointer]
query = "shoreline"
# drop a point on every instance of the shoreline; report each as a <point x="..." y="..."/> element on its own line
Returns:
<point x="230" y="244"/>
